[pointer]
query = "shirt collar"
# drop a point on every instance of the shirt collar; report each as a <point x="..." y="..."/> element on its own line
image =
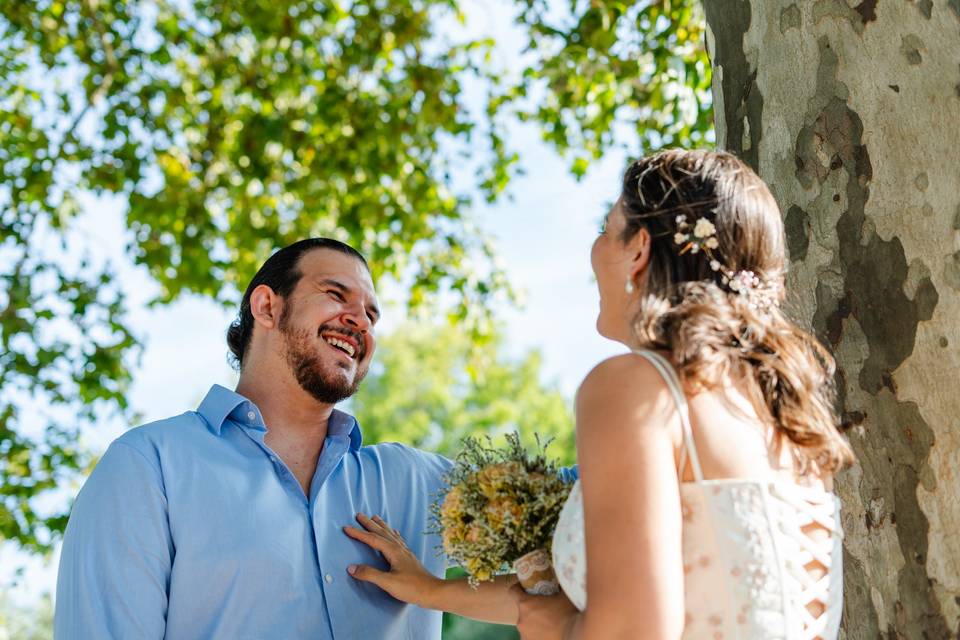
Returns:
<point x="344" y="424"/>
<point x="221" y="403"/>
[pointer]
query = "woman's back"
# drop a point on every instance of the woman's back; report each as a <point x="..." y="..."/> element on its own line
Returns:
<point x="751" y="567"/>
<point x="740" y="463"/>
<point x="761" y="552"/>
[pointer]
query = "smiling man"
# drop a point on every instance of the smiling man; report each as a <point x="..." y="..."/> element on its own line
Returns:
<point x="227" y="521"/>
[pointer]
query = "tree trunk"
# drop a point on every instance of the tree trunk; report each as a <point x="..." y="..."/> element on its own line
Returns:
<point x="850" y="110"/>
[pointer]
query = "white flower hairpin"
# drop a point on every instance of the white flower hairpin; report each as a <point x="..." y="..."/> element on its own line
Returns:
<point x="702" y="237"/>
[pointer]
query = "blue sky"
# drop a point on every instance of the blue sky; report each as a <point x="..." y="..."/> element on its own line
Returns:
<point x="543" y="235"/>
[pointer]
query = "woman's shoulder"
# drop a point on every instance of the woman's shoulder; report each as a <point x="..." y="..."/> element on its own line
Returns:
<point x="627" y="369"/>
<point x="626" y="385"/>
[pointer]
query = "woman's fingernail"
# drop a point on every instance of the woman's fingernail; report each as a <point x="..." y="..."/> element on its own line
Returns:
<point x="352" y="569"/>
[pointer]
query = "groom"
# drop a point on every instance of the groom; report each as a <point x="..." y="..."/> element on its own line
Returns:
<point x="226" y="522"/>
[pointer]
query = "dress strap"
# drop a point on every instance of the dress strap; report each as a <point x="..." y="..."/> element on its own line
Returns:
<point x="669" y="375"/>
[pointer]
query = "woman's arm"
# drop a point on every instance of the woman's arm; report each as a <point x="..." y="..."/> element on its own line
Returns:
<point x="628" y="431"/>
<point x="490" y="602"/>
<point x="408" y="581"/>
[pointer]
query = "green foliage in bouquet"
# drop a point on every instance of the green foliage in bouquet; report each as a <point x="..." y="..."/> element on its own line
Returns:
<point x="499" y="505"/>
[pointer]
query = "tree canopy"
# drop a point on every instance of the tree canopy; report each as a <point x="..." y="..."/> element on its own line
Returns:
<point x="228" y="129"/>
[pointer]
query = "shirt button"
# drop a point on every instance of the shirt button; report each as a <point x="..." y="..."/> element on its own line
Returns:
<point x="328" y="578"/>
<point x="251" y="415"/>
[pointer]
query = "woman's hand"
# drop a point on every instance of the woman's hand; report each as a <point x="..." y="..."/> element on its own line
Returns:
<point x="407" y="579"/>
<point x="543" y="617"/>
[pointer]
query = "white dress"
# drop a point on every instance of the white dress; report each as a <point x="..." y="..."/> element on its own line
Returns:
<point x="744" y="551"/>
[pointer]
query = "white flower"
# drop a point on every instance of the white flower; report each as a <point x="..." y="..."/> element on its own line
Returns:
<point x="715" y="265"/>
<point x="704" y="228"/>
<point x="694" y="248"/>
<point x="712" y="243"/>
<point x="681" y="219"/>
<point x="680" y="238"/>
<point x="748" y="278"/>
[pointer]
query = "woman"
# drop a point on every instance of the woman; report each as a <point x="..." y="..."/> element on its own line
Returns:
<point x="707" y="453"/>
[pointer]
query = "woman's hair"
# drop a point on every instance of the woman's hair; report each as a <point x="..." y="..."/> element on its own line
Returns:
<point x="694" y="308"/>
<point x="281" y="273"/>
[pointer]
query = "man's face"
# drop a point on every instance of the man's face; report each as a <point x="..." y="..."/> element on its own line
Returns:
<point x="327" y="325"/>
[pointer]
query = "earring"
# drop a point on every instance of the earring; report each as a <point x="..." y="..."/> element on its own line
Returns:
<point x="629" y="287"/>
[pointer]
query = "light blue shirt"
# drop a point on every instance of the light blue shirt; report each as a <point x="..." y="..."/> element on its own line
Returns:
<point x="192" y="527"/>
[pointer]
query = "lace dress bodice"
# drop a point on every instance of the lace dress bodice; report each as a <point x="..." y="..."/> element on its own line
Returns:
<point x="744" y="551"/>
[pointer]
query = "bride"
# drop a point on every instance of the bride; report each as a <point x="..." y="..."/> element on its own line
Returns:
<point x="706" y="454"/>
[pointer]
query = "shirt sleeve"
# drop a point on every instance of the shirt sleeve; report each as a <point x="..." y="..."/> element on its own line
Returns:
<point x="570" y="474"/>
<point x="117" y="552"/>
<point x="433" y="468"/>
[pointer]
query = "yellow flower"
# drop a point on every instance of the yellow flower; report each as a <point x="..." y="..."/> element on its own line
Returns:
<point x="500" y="510"/>
<point x="475" y="567"/>
<point x="474" y="533"/>
<point x="452" y="537"/>
<point x="492" y="479"/>
<point x="452" y="507"/>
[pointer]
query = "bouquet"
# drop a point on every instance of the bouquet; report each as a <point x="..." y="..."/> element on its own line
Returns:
<point x="499" y="509"/>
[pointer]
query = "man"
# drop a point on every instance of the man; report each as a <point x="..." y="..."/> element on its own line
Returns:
<point x="227" y="522"/>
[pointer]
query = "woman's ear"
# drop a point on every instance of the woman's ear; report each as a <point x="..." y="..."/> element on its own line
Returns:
<point x="265" y="306"/>
<point x="639" y="248"/>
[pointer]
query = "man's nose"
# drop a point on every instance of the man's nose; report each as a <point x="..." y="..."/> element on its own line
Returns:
<point x="356" y="318"/>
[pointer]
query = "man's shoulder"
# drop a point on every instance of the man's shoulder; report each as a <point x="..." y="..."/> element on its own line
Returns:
<point x="396" y="453"/>
<point x="175" y="431"/>
<point x="398" y="449"/>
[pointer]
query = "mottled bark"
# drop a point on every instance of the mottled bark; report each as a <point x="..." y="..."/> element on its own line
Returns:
<point x="850" y="110"/>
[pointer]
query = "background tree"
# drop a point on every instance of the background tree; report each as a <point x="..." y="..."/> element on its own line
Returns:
<point x="25" y="622"/>
<point x="633" y="75"/>
<point x="849" y="111"/>
<point x="227" y="129"/>
<point x="430" y="386"/>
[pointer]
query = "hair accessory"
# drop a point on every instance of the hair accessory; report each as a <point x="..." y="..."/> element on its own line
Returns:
<point x="703" y="236"/>
<point x="761" y="296"/>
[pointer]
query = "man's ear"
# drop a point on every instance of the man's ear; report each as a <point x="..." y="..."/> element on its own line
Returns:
<point x="639" y="248"/>
<point x="265" y="307"/>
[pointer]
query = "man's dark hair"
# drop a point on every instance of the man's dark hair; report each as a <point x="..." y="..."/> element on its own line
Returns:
<point x="281" y="273"/>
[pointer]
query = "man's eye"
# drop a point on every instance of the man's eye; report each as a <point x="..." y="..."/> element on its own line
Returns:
<point x="337" y="295"/>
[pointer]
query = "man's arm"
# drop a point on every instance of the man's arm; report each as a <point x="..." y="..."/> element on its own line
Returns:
<point x="117" y="553"/>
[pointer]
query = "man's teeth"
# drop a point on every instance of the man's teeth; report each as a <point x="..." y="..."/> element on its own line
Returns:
<point x="346" y="346"/>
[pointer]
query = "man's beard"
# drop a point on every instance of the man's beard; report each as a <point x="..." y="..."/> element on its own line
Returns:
<point x="320" y="380"/>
